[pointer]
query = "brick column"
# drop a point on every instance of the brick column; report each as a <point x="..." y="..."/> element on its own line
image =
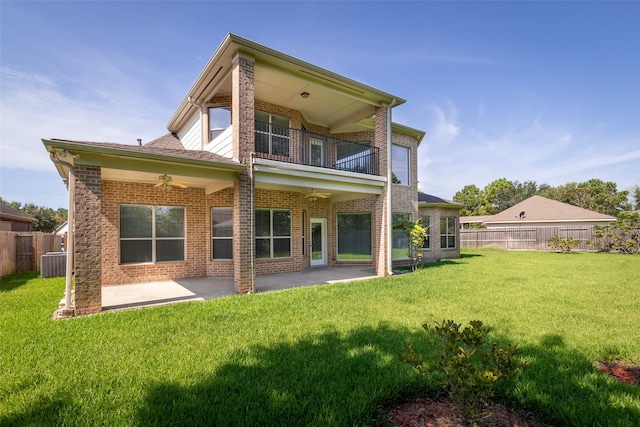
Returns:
<point x="381" y="221"/>
<point x="243" y="116"/>
<point x="87" y="240"/>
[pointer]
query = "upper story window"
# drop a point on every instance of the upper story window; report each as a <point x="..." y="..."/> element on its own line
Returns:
<point x="399" y="165"/>
<point x="219" y="120"/>
<point x="272" y="134"/>
<point x="151" y="234"/>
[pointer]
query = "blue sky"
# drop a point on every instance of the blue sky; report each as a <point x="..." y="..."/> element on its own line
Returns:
<point x="540" y="91"/>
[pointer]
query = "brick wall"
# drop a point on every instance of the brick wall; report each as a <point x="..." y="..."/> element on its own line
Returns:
<point x="198" y="232"/>
<point x="87" y="239"/>
<point x="435" y="252"/>
<point x="243" y="113"/>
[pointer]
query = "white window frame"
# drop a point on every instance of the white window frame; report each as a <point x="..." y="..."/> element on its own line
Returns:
<point x="444" y="232"/>
<point x="214" y="238"/>
<point x="395" y="163"/>
<point x="153" y="238"/>
<point x="271" y="236"/>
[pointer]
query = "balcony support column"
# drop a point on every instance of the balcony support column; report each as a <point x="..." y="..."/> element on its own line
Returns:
<point x="243" y="114"/>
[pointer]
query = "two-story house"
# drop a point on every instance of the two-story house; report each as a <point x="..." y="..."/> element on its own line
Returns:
<point x="271" y="164"/>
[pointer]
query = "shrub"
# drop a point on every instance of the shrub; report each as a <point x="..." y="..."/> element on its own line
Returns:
<point x="466" y="367"/>
<point x="563" y="245"/>
<point x="622" y="236"/>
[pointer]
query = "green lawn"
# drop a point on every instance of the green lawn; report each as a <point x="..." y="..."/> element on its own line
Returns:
<point x="324" y="355"/>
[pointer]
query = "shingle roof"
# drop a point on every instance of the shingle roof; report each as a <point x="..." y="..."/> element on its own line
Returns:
<point x="11" y="213"/>
<point x="428" y="199"/>
<point x="538" y="208"/>
<point x="164" y="146"/>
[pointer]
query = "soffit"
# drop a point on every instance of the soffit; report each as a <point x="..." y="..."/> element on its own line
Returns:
<point x="334" y="101"/>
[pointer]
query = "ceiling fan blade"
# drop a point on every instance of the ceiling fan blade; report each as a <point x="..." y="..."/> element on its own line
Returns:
<point x="179" y="184"/>
<point x="160" y="184"/>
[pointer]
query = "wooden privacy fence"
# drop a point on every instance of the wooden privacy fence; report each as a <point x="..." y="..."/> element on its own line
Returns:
<point x="21" y="251"/>
<point x="525" y="238"/>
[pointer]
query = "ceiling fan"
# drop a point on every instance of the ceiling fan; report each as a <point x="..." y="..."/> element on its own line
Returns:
<point x="313" y="195"/>
<point x="166" y="182"/>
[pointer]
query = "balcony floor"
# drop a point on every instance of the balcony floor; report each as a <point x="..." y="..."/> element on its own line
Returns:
<point x="118" y="297"/>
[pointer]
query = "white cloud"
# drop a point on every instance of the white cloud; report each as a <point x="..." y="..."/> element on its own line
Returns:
<point x="445" y="128"/>
<point x="36" y="106"/>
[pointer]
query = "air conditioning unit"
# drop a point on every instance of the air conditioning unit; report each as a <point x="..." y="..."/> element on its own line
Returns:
<point x="53" y="264"/>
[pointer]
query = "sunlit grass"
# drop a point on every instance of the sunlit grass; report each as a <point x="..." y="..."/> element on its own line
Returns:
<point x="325" y="354"/>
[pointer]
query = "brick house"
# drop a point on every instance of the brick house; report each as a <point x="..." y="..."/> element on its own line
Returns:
<point x="13" y="220"/>
<point x="271" y="164"/>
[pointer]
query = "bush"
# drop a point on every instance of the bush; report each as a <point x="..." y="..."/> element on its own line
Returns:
<point x="563" y="245"/>
<point x="622" y="236"/>
<point x="466" y="366"/>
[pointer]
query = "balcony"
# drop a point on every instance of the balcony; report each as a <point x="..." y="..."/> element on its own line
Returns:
<point x="299" y="146"/>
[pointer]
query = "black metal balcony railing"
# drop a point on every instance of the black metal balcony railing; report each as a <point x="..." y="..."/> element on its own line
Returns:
<point x="299" y="146"/>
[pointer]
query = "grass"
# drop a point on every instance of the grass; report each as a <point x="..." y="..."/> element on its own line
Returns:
<point x="325" y="355"/>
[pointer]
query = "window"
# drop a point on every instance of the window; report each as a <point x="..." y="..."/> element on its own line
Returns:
<point x="151" y="234"/>
<point x="219" y="120"/>
<point x="425" y="221"/>
<point x="354" y="237"/>
<point x="400" y="239"/>
<point x="273" y="233"/>
<point x="272" y="134"/>
<point x="222" y="233"/>
<point x="447" y="232"/>
<point x="400" y="165"/>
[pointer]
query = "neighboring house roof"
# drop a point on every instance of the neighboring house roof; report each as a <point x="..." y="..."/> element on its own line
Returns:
<point x="474" y="219"/>
<point x="9" y="213"/>
<point x="62" y="229"/>
<point x="346" y="105"/>
<point x="430" y="201"/>
<point x="537" y="209"/>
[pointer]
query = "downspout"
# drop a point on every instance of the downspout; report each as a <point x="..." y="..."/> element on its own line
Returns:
<point x="70" y="225"/>
<point x="253" y="219"/>
<point x="389" y="180"/>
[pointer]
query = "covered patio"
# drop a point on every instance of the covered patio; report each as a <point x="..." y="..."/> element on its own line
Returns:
<point x="119" y="297"/>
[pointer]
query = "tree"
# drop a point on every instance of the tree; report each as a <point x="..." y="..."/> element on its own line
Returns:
<point x="500" y="195"/>
<point x="46" y="218"/>
<point x="524" y="190"/>
<point x="635" y="195"/>
<point x="417" y="233"/>
<point x="621" y="236"/>
<point x="473" y="199"/>
<point x="604" y="197"/>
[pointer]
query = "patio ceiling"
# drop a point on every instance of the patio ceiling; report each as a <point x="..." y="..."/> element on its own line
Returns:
<point x="334" y="101"/>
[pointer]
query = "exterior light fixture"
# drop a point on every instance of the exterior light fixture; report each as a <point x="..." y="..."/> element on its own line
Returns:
<point x="305" y="95"/>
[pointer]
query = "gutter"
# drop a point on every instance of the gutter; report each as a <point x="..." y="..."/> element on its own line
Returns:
<point x="70" y="221"/>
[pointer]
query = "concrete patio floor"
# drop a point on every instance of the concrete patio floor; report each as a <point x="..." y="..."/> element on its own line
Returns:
<point x="118" y="297"/>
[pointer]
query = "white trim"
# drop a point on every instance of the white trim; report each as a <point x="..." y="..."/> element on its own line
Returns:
<point x="323" y="232"/>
